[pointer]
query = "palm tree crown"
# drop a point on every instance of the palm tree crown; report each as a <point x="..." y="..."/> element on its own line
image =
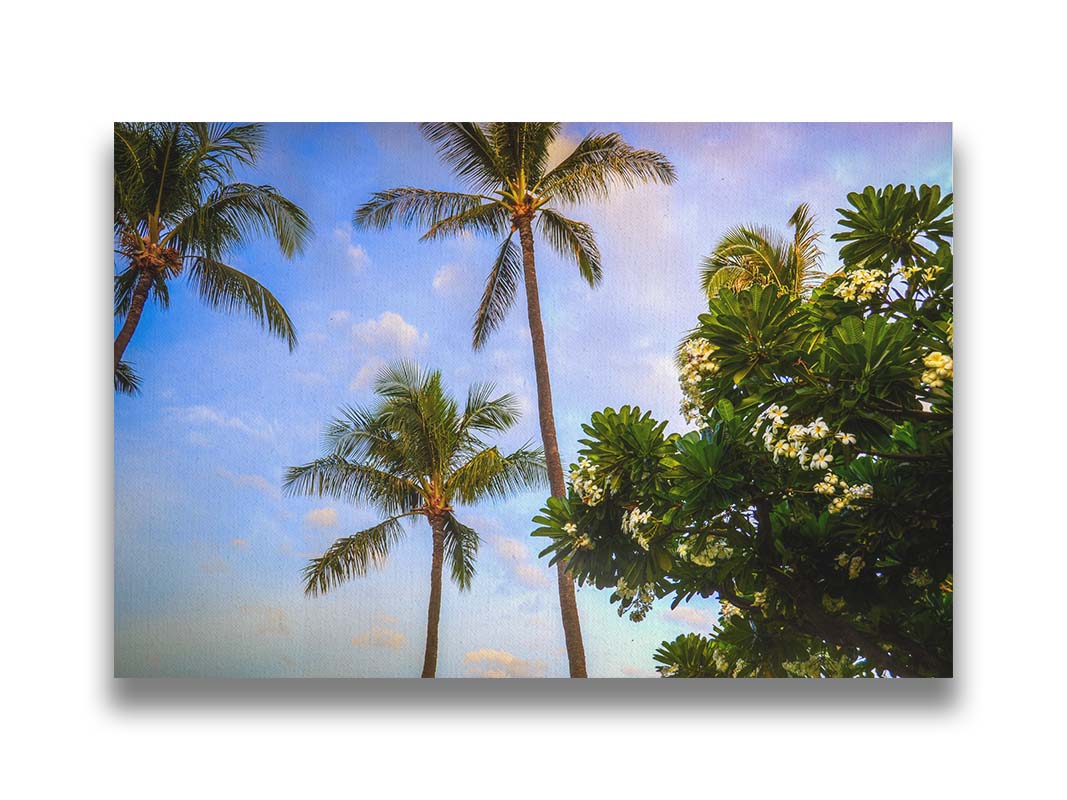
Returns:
<point x="178" y="211"/>
<point x="756" y="256"/>
<point x="415" y="453"/>
<point x="505" y="166"/>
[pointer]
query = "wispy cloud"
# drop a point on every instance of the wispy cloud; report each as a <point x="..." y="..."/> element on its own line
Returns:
<point x="693" y="617"/>
<point x="386" y="638"/>
<point x="447" y="279"/>
<point x="489" y="663"/>
<point x="256" y="427"/>
<point x="249" y="482"/>
<point x="353" y="254"/>
<point x="367" y="373"/>
<point x="268" y="620"/>
<point x="532" y="575"/>
<point x="321" y="518"/>
<point x="509" y="548"/>
<point x="516" y="555"/>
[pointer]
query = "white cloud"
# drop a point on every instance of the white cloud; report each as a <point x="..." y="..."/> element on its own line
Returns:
<point x="694" y="617"/>
<point x="381" y="637"/>
<point x="268" y="620"/>
<point x="517" y="557"/>
<point x="531" y="575"/>
<point x="339" y="317"/>
<point x="389" y="331"/>
<point x="355" y="256"/>
<point x="207" y="415"/>
<point x="367" y="373"/>
<point x="249" y="482"/>
<point x="510" y="548"/>
<point x="447" y="278"/>
<point x="489" y="663"/>
<point x="321" y="518"/>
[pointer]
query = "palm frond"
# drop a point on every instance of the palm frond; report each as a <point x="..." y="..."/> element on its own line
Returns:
<point x="461" y="550"/>
<point x="352" y="556"/>
<point x="573" y="240"/>
<point x="466" y="149"/>
<point x="522" y="148"/>
<point x="409" y="206"/>
<point x="338" y="477"/>
<point x="600" y="163"/>
<point x="806" y="252"/>
<point x="233" y="212"/>
<point x="499" y="292"/>
<point x="127" y="381"/>
<point x="489" y="474"/>
<point x="714" y="277"/>
<point x="227" y="288"/>
<point x="488" y="218"/>
<point x="749" y="255"/>
<point x="422" y="414"/>
<point x="758" y="256"/>
<point x="361" y="434"/>
<point x="485" y="413"/>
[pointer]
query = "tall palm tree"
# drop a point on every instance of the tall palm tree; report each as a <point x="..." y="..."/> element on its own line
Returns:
<point x="414" y="454"/>
<point x="505" y="165"/>
<point x="756" y="256"/>
<point x="177" y="210"/>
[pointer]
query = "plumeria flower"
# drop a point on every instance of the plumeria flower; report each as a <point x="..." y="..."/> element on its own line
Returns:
<point x="821" y="460"/>
<point x="819" y="429"/>
<point x="845" y="438"/>
<point x="777" y="413"/>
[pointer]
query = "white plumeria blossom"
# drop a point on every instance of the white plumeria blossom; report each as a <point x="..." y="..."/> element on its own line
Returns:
<point x="640" y="598"/>
<point x="713" y="551"/>
<point x="798" y="440"/>
<point x="697" y="365"/>
<point x="585" y="482"/>
<point x="635" y="524"/>
<point x="821" y="460"/>
<point x="938" y="370"/>
<point x="861" y="285"/>
<point x="728" y="609"/>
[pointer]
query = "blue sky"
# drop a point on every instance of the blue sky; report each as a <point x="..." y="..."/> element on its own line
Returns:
<point x="208" y="552"/>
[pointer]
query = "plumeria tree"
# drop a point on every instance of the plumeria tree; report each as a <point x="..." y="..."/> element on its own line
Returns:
<point x="814" y="497"/>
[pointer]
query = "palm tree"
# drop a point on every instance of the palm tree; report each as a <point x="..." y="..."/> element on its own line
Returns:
<point x="415" y="454"/>
<point x="505" y="164"/>
<point x="755" y="256"/>
<point x="178" y="211"/>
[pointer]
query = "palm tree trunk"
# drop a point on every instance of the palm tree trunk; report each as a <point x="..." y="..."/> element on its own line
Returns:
<point x="572" y="629"/>
<point x="433" y="615"/>
<point x="137" y="303"/>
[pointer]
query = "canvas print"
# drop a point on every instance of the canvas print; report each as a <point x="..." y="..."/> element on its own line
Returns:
<point x="533" y="400"/>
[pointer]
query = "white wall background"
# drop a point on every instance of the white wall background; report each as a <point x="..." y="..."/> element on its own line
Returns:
<point x="68" y="72"/>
